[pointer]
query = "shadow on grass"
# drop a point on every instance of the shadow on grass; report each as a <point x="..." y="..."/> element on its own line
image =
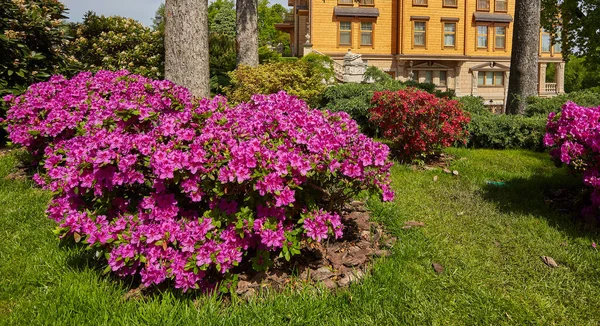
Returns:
<point x="559" y="198"/>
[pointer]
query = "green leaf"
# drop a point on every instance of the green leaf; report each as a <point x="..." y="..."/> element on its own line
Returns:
<point x="107" y="270"/>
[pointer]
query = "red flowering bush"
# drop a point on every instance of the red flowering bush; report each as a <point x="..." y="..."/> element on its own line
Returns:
<point x="175" y="188"/>
<point x="573" y="135"/>
<point x="417" y="122"/>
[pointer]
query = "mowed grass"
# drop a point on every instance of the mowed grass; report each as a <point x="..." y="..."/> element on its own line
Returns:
<point x="489" y="240"/>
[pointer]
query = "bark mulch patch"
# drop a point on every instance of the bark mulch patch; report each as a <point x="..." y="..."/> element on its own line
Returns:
<point x="334" y="264"/>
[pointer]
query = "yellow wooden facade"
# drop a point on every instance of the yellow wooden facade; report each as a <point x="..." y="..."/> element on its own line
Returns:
<point x="462" y="40"/>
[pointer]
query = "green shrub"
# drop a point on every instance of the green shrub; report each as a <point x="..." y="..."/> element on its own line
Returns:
<point x="32" y="38"/>
<point x="288" y="59"/>
<point x="355" y="99"/>
<point x="305" y="79"/>
<point x="543" y="106"/>
<point x="222" y="59"/>
<point x="474" y="105"/>
<point x="507" y="131"/>
<point x="266" y="55"/>
<point x="376" y="75"/>
<point x="116" y="43"/>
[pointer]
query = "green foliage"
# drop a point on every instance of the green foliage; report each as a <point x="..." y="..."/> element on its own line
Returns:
<point x="303" y="78"/>
<point x="355" y="99"/>
<point x="375" y="75"/>
<point x="115" y="43"/>
<point x="221" y="15"/>
<point x="321" y="64"/>
<point x="266" y="55"/>
<point x="539" y="106"/>
<point x="158" y="22"/>
<point x="32" y="39"/>
<point x="222" y="60"/>
<point x="474" y="105"/>
<point x="507" y="131"/>
<point x="268" y="16"/>
<point x="581" y="74"/>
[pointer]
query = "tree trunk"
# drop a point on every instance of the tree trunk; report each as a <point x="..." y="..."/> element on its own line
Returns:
<point x="186" y="45"/>
<point x="524" y="59"/>
<point x="247" y="32"/>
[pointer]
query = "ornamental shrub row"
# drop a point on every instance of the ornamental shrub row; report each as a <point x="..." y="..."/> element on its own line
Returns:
<point x="356" y="99"/>
<point x="506" y="132"/>
<point x="417" y="122"/>
<point x="573" y="136"/>
<point x="177" y="189"/>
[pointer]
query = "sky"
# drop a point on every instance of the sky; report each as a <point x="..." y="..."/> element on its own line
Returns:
<point x="141" y="10"/>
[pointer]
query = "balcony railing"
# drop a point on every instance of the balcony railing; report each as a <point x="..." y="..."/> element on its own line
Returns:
<point x="288" y="18"/>
<point x="550" y="88"/>
<point x="338" y="68"/>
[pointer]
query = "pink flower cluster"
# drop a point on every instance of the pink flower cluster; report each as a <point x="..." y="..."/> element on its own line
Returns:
<point x="574" y="138"/>
<point x="180" y="189"/>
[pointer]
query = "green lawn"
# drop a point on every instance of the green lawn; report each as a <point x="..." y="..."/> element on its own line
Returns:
<point x="489" y="240"/>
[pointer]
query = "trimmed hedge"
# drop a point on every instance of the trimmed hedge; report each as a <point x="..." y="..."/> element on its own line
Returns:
<point x="543" y="106"/>
<point x="507" y="132"/>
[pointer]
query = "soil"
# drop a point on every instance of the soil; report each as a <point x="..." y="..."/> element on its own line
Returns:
<point x="334" y="264"/>
<point x="435" y="161"/>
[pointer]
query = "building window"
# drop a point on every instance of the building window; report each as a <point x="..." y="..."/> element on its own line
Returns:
<point x="427" y="76"/>
<point x="367" y="2"/>
<point x="449" y="34"/>
<point x="345" y="2"/>
<point x="443" y="78"/>
<point x="545" y="41"/>
<point x="345" y="33"/>
<point x="490" y="78"/>
<point x="419" y="2"/>
<point x="420" y="33"/>
<point x="500" y="5"/>
<point x="558" y="41"/>
<point x="366" y="33"/>
<point x="557" y="46"/>
<point x="500" y="42"/>
<point x="482" y="36"/>
<point x="449" y="3"/>
<point x="483" y="5"/>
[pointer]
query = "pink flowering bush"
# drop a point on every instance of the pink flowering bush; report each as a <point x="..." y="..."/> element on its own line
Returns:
<point x="179" y="189"/>
<point x="574" y="138"/>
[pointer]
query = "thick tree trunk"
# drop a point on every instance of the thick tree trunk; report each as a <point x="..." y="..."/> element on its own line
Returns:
<point x="247" y="32"/>
<point x="524" y="59"/>
<point x="186" y="45"/>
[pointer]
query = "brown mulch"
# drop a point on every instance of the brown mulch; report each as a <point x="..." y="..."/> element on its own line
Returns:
<point x="437" y="161"/>
<point x="334" y="264"/>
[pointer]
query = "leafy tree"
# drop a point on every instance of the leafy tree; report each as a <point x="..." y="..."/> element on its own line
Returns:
<point x="222" y="60"/>
<point x="580" y="21"/>
<point x="223" y="22"/>
<point x="581" y="74"/>
<point x="32" y="39"/>
<point x="115" y="43"/>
